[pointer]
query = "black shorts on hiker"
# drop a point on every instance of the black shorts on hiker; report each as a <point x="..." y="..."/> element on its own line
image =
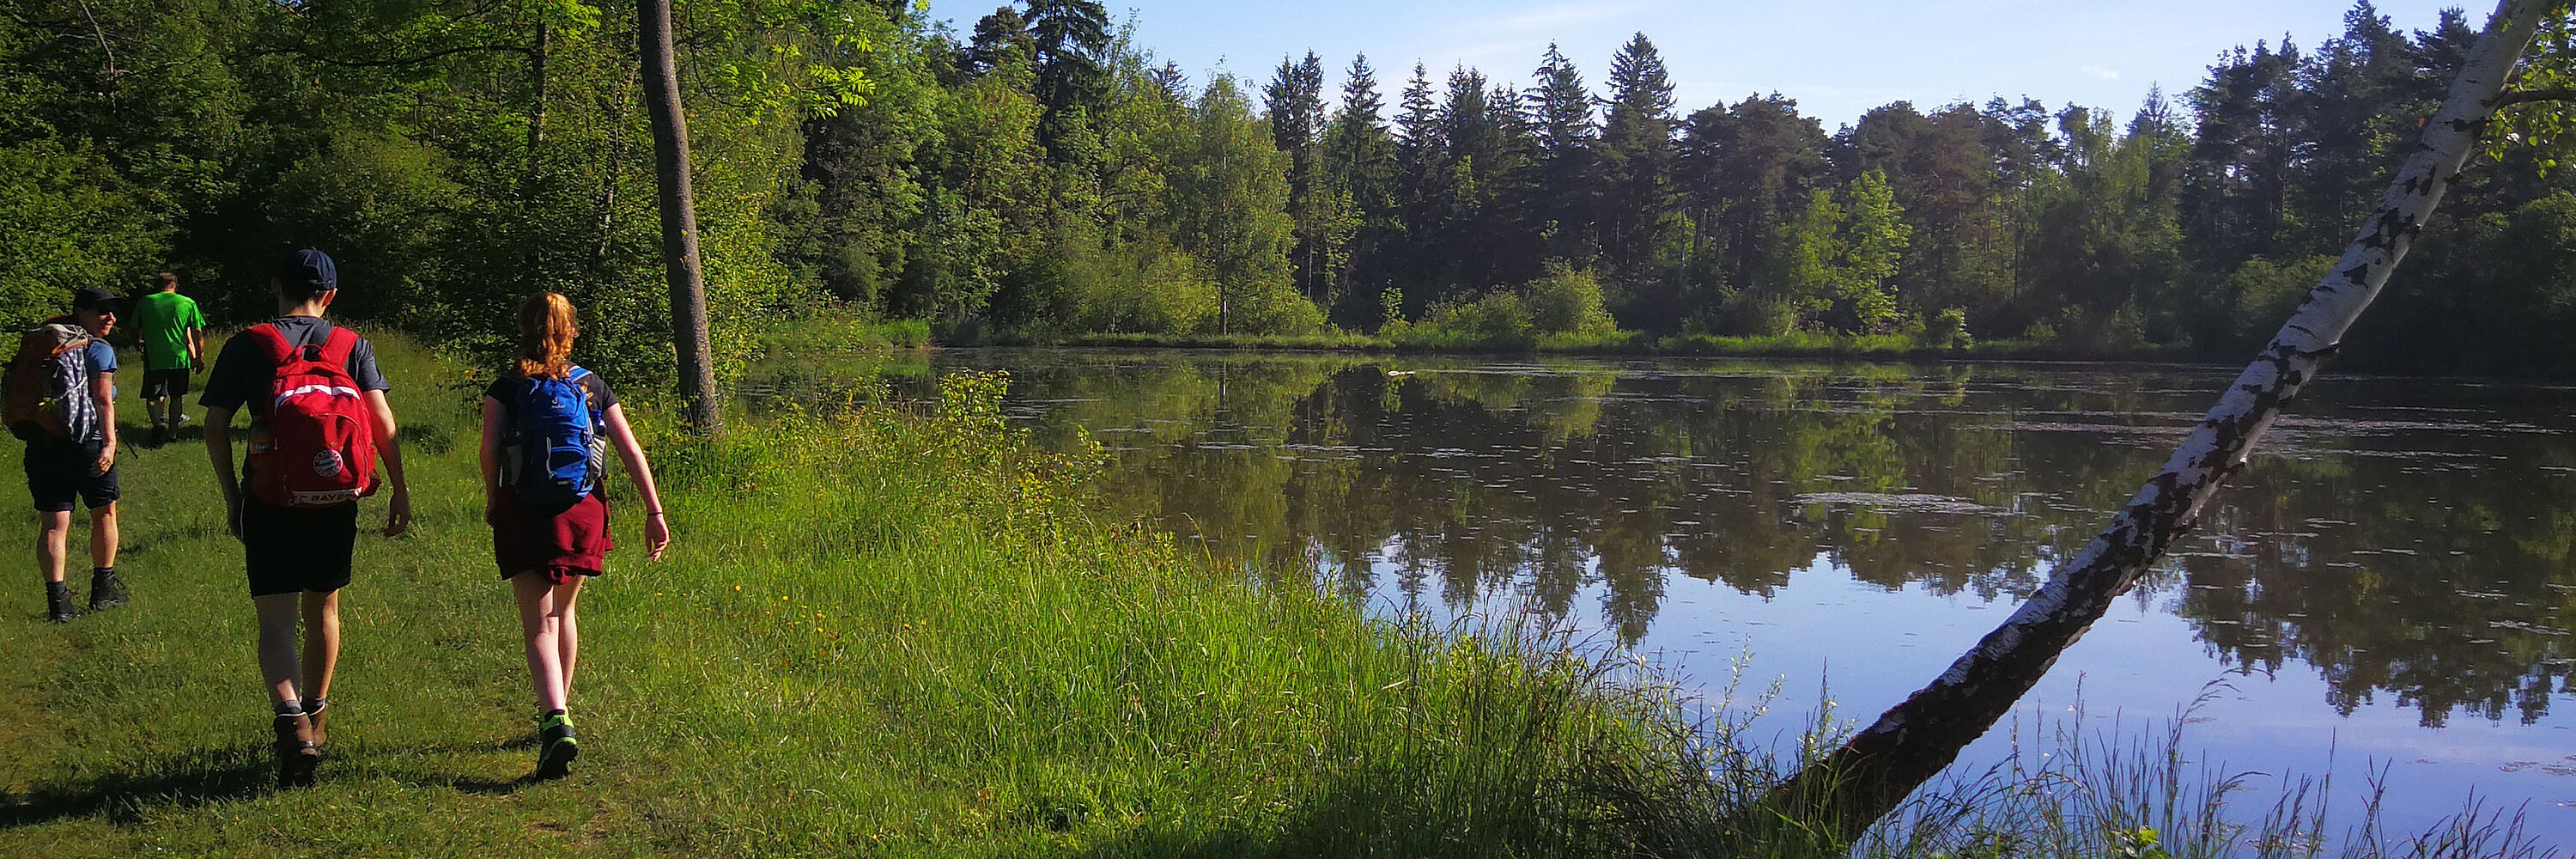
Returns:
<point x="297" y="549"/>
<point x="58" y="474"/>
<point x="164" y="384"/>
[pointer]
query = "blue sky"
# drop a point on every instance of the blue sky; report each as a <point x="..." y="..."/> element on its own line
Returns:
<point x="1836" y="57"/>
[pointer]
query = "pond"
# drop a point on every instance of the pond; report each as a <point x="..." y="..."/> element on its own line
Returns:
<point x="2388" y="585"/>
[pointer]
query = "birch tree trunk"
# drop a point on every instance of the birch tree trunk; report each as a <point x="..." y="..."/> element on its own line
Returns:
<point x="1857" y="784"/>
<point x="679" y="216"/>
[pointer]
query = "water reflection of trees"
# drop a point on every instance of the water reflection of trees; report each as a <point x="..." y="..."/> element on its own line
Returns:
<point x="2440" y="581"/>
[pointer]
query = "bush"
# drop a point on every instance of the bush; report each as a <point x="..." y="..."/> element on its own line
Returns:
<point x="1947" y="329"/>
<point x="2267" y="291"/>
<point x="1497" y="319"/>
<point x="1567" y="300"/>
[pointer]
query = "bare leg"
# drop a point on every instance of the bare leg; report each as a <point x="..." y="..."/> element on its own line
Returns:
<point x="53" y="537"/>
<point x="539" y="626"/>
<point x="155" y="409"/>
<point x="102" y="535"/>
<point x="321" y="643"/>
<point x="567" y="630"/>
<point x="277" y="662"/>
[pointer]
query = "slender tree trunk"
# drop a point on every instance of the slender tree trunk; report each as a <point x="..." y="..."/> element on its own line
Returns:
<point x="679" y="216"/>
<point x="1865" y="779"/>
<point x="536" y="109"/>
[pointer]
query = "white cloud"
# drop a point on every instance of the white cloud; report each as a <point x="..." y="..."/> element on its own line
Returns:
<point x="2100" y="72"/>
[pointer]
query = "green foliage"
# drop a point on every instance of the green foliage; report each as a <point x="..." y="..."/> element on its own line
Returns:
<point x="1567" y="300"/>
<point x="74" y="222"/>
<point x="1052" y="177"/>
<point x="2267" y="291"/>
<point x="1497" y="319"/>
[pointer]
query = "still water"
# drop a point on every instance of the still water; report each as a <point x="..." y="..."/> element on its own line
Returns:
<point x="2387" y="586"/>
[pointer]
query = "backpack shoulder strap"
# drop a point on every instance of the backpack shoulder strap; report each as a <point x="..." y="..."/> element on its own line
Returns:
<point x="272" y="342"/>
<point x="337" y="347"/>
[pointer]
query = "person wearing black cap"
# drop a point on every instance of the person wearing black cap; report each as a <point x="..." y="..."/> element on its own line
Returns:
<point x="297" y="554"/>
<point x="78" y="463"/>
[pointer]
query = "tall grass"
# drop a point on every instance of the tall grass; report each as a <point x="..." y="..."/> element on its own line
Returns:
<point x="887" y="628"/>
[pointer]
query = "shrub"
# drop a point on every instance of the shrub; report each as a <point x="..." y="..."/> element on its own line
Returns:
<point x="1498" y="318"/>
<point x="1567" y="300"/>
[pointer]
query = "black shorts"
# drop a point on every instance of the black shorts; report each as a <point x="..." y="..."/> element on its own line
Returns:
<point x="297" y="549"/>
<point x="58" y="473"/>
<point x="164" y="384"/>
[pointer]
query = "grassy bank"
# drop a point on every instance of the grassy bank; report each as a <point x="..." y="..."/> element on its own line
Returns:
<point x="892" y="631"/>
<point x="895" y="630"/>
<point x="1890" y="347"/>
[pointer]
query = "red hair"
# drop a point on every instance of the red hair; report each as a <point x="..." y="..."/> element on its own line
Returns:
<point x="546" y="330"/>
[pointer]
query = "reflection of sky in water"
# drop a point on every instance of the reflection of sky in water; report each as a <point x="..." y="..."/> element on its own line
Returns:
<point x="2136" y="668"/>
<point x="2282" y="543"/>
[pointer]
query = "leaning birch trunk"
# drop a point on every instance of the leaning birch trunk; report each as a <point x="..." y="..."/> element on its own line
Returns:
<point x="679" y="216"/>
<point x="1868" y="777"/>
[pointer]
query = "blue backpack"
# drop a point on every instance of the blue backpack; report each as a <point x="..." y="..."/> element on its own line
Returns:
<point x="556" y="454"/>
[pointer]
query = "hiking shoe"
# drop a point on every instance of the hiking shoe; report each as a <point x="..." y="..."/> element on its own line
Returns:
<point x="58" y="602"/>
<point x="105" y="591"/>
<point x="297" y="754"/>
<point x="557" y="747"/>
<point x="158" y="438"/>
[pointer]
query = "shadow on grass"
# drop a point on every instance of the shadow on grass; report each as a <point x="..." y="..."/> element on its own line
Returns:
<point x="184" y="781"/>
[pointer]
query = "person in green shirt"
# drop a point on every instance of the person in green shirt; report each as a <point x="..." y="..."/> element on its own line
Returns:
<point x="170" y="330"/>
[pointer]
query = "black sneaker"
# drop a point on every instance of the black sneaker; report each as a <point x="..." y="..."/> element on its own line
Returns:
<point x="297" y="754"/>
<point x="105" y="591"/>
<point x="557" y="748"/>
<point x="58" y="602"/>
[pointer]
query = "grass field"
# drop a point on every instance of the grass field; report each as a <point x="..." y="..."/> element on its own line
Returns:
<point x="890" y="631"/>
<point x="898" y="630"/>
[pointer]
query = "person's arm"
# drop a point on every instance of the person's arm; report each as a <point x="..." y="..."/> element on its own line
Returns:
<point x="196" y="349"/>
<point x="657" y="527"/>
<point x="389" y="446"/>
<point x="490" y="453"/>
<point x="219" y="451"/>
<point x="102" y="390"/>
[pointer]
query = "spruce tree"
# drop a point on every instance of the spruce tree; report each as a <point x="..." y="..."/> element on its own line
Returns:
<point x="1636" y="179"/>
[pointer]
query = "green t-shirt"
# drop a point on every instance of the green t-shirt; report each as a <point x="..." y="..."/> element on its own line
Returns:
<point x="161" y="324"/>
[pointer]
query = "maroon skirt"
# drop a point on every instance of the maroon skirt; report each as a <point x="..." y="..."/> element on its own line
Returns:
<point x="571" y="543"/>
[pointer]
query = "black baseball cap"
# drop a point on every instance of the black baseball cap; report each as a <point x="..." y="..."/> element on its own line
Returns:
<point x="95" y="297"/>
<point x="310" y="269"/>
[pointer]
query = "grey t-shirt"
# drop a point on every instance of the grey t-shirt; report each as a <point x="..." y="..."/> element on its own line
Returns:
<point x="242" y="372"/>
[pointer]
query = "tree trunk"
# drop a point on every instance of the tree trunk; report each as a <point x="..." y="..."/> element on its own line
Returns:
<point x="1865" y="779"/>
<point x="536" y="110"/>
<point x="679" y="216"/>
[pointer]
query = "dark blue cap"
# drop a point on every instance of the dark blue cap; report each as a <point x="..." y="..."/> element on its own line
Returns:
<point x="311" y="270"/>
<point x="94" y="298"/>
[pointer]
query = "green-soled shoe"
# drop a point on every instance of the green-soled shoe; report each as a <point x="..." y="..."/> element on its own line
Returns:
<point x="557" y="747"/>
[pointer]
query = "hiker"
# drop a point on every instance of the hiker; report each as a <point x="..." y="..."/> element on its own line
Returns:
<point x="319" y="421"/>
<point x="171" y="331"/>
<point x="545" y="426"/>
<point x="62" y="401"/>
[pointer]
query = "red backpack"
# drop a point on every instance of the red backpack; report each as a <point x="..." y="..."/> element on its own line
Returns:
<point x="317" y="446"/>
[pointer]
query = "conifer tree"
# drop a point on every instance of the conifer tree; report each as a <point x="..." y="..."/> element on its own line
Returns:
<point x="1636" y="157"/>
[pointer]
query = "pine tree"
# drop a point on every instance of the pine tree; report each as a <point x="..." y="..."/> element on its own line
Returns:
<point x="1359" y="164"/>
<point x="1636" y="179"/>
<point x="1295" y="103"/>
<point x="1563" y="201"/>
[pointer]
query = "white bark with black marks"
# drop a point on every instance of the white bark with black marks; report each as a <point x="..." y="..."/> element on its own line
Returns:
<point x="1866" y="778"/>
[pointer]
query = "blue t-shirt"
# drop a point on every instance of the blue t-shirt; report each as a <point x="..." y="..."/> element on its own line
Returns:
<point x="102" y="361"/>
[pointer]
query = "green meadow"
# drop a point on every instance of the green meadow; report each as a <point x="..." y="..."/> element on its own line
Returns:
<point x="892" y="628"/>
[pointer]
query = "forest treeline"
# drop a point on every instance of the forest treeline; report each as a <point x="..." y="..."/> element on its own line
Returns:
<point x="1045" y="174"/>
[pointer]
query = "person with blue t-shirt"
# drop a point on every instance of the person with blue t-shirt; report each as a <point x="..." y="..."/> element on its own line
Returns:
<point x="81" y="466"/>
